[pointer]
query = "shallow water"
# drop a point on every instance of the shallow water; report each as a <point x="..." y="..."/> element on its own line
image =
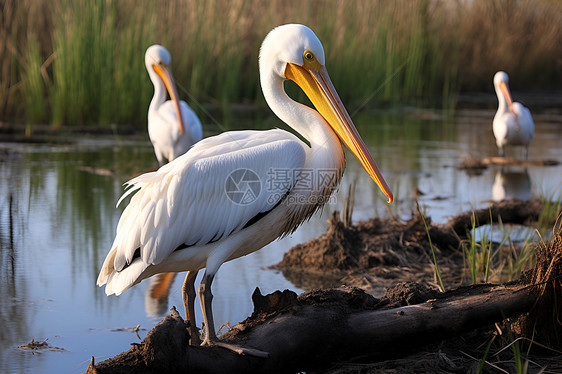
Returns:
<point x="58" y="219"/>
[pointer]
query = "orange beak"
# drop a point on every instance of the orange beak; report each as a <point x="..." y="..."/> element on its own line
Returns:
<point x="506" y="94"/>
<point x="166" y="76"/>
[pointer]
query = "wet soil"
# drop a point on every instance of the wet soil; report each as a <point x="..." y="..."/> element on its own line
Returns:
<point x="373" y="255"/>
<point x="378" y="253"/>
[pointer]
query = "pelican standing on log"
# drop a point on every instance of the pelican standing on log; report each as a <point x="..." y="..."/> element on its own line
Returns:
<point x="513" y="124"/>
<point x="173" y="127"/>
<point x="233" y="193"/>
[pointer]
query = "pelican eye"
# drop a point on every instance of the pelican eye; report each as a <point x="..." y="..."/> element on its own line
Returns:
<point x="308" y="56"/>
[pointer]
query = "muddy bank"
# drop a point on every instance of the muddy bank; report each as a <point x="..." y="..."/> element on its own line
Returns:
<point x="378" y="253"/>
<point x="373" y="255"/>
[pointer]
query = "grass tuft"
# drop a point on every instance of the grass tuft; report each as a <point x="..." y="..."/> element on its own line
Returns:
<point x="436" y="265"/>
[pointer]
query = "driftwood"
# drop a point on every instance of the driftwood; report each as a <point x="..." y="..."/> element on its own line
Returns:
<point x="319" y="327"/>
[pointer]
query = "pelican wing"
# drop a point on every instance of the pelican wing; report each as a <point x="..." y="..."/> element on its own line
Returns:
<point x="205" y="195"/>
<point x="525" y="121"/>
<point x="168" y="114"/>
<point x="515" y="128"/>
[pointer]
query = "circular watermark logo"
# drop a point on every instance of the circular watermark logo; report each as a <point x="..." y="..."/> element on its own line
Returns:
<point x="242" y="186"/>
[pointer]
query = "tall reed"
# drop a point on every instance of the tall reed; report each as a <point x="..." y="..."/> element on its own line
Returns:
<point x="405" y="51"/>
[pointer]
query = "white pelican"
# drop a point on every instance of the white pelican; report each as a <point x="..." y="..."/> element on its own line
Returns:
<point x="513" y="124"/>
<point x="173" y="126"/>
<point x="233" y="193"/>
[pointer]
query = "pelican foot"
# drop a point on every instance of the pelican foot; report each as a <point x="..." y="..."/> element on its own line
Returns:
<point x="239" y="350"/>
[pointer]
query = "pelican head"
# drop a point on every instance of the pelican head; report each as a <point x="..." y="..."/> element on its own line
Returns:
<point x="501" y="81"/>
<point x="294" y="52"/>
<point x="158" y="60"/>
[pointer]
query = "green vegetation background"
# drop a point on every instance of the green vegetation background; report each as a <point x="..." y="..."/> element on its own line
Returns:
<point x="81" y="62"/>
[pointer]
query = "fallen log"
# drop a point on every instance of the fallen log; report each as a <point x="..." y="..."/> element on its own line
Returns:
<point x="318" y="327"/>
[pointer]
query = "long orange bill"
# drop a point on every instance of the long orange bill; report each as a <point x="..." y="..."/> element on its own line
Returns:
<point x="507" y="95"/>
<point x="166" y="76"/>
<point x="318" y="87"/>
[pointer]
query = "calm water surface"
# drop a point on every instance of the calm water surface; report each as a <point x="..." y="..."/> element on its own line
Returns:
<point x="58" y="219"/>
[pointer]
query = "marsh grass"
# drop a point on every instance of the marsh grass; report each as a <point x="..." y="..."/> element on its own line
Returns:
<point x="502" y="260"/>
<point x="416" y="51"/>
<point x="435" y="264"/>
<point x="33" y="83"/>
<point x="479" y="255"/>
<point x="550" y="213"/>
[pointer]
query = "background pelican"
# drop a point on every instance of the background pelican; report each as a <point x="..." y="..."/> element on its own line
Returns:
<point x="173" y="126"/>
<point x="232" y="194"/>
<point x="513" y="124"/>
<point x="171" y="135"/>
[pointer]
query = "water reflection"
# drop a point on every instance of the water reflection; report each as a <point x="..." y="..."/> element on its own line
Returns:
<point x="157" y="293"/>
<point x="512" y="184"/>
<point x="56" y="220"/>
<point x="15" y="313"/>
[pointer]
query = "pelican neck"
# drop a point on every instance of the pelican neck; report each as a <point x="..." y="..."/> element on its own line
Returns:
<point x="159" y="90"/>
<point x="303" y="119"/>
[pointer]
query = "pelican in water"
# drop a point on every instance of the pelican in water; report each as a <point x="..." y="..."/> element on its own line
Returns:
<point x="513" y="124"/>
<point x="173" y="127"/>
<point x="233" y="193"/>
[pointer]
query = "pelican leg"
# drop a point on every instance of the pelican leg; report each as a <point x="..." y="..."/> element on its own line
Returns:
<point x="188" y="290"/>
<point x="526" y="152"/>
<point x="502" y="152"/>
<point x="206" y="298"/>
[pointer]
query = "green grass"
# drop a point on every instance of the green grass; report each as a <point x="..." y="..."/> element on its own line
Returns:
<point x="483" y="360"/>
<point x="435" y="264"/>
<point x="551" y="209"/>
<point x="377" y="52"/>
<point x="34" y="84"/>
<point x="503" y="261"/>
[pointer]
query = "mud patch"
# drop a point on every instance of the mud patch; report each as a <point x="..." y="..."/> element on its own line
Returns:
<point x="373" y="255"/>
<point x="378" y="253"/>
